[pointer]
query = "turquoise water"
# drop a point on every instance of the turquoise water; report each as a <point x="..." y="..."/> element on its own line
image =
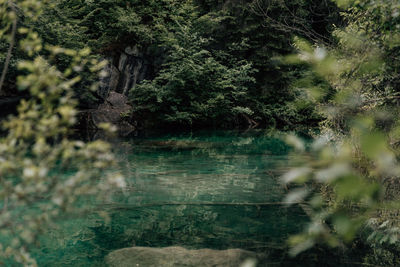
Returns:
<point x="211" y="190"/>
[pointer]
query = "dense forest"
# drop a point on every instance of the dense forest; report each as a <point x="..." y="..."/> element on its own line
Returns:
<point x="325" y="69"/>
<point x="191" y="63"/>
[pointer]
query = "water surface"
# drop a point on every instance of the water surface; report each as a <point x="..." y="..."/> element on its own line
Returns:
<point x="214" y="190"/>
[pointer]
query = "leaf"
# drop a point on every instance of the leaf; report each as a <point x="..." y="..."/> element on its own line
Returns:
<point x="333" y="172"/>
<point x="296" y="196"/>
<point x="300" y="243"/>
<point x="374" y="144"/>
<point x="296" y="175"/>
<point x="296" y="142"/>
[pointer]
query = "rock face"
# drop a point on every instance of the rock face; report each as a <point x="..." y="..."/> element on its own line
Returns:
<point x="180" y="257"/>
<point x="109" y="82"/>
<point x="123" y="71"/>
<point x="133" y="68"/>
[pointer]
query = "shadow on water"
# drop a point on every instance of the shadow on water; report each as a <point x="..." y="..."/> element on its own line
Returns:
<point x="212" y="190"/>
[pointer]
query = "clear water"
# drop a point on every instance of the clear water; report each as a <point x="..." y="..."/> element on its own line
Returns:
<point x="210" y="190"/>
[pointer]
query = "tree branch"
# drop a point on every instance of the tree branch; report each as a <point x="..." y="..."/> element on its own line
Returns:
<point x="9" y="53"/>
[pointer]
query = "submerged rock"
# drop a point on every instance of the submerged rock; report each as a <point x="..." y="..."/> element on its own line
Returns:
<point x="179" y="257"/>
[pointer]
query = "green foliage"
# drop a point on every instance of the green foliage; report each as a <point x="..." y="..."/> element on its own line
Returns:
<point x="237" y="35"/>
<point x="356" y="153"/>
<point x="108" y="24"/>
<point x="37" y="150"/>
<point x="260" y="32"/>
<point x="193" y="86"/>
<point x="245" y="37"/>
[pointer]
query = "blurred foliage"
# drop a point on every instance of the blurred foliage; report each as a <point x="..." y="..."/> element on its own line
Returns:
<point x="347" y="185"/>
<point x="36" y="151"/>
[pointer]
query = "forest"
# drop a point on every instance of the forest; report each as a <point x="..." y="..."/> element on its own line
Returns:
<point x="133" y="127"/>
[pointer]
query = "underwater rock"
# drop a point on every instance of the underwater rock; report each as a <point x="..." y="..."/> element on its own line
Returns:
<point x="179" y="257"/>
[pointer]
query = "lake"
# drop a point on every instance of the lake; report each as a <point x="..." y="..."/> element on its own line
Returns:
<point x="213" y="190"/>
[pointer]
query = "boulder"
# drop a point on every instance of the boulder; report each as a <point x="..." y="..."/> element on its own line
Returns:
<point x="118" y="101"/>
<point x="180" y="257"/>
<point x="115" y="110"/>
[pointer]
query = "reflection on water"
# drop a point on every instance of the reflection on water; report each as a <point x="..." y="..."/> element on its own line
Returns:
<point x="218" y="190"/>
<point x="217" y="168"/>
